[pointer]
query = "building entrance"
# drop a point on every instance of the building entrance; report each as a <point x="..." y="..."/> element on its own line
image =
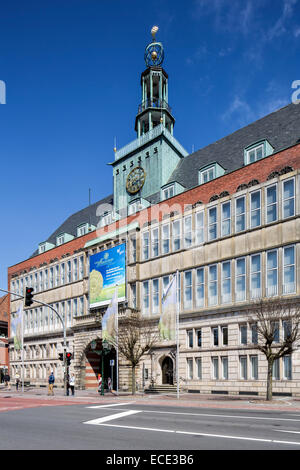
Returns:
<point x="167" y="371"/>
<point x="94" y="366"/>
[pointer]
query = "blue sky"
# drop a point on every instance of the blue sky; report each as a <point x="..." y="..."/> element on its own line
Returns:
<point x="72" y="73"/>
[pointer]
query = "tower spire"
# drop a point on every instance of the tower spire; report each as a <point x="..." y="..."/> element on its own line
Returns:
<point x="154" y="109"/>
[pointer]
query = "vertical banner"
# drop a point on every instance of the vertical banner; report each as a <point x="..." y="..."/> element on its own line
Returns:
<point x="110" y="319"/>
<point x="167" y="322"/>
<point x="107" y="270"/>
<point x="16" y="328"/>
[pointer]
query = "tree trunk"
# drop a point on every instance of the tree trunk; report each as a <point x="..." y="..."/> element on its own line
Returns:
<point x="269" y="380"/>
<point x="133" y="380"/>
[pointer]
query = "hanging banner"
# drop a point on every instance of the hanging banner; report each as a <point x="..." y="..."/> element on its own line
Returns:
<point x="107" y="269"/>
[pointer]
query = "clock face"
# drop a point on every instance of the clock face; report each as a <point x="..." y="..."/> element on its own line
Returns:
<point x="135" y="180"/>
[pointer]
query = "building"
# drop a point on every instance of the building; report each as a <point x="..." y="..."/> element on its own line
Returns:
<point x="225" y="216"/>
<point x="4" y="314"/>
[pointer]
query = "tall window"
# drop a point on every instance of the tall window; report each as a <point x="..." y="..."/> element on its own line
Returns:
<point x="226" y="282"/>
<point x="200" y="287"/>
<point x="240" y="279"/>
<point x="199" y="368"/>
<point x="215" y="368"/>
<point x="289" y="275"/>
<point x="287" y="367"/>
<point x="215" y="335"/>
<point x="146" y="297"/>
<point x="271" y="203"/>
<point x="243" y="334"/>
<point x="187" y="302"/>
<point x="255" y="209"/>
<point x="69" y="272"/>
<point x="155" y="296"/>
<point x="288" y="198"/>
<point x="276" y="370"/>
<point x="176" y="234"/>
<point x="224" y="330"/>
<point x="213" y="285"/>
<point x="212" y="223"/>
<point x="224" y="367"/>
<point x="190" y="339"/>
<point x="187" y="223"/>
<point x="243" y="367"/>
<point x="145" y="245"/>
<point x="254" y="367"/>
<point x="199" y="227"/>
<point x="51" y="278"/>
<point x="226" y="219"/>
<point x="155" y="242"/>
<point x="75" y="308"/>
<point x="165" y="239"/>
<point x="81" y="267"/>
<point x="190" y="368"/>
<point x="75" y="269"/>
<point x="240" y="214"/>
<point x="133" y="295"/>
<point x="255" y="276"/>
<point x="62" y="273"/>
<point x="272" y="273"/>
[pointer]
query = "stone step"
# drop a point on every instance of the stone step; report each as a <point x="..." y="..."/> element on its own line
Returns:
<point x="161" y="389"/>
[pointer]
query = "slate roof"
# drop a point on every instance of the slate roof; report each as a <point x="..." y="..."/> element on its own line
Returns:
<point x="88" y="214"/>
<point x="281" y="128"/>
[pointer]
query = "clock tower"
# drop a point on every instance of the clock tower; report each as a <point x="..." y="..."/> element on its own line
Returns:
<point x="143" y="168"/>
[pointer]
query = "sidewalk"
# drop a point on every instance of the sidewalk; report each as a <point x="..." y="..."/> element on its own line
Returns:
<point x="185" y="399"/>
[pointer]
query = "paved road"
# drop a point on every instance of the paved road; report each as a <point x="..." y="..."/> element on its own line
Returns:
<point x="126" y="424"/>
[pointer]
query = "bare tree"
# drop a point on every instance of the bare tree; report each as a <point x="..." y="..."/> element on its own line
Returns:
<point x="136" y="336"/>
<point x="277" y="324"/>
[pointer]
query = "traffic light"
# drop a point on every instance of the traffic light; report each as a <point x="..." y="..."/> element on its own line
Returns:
<point x="61" y="356"/>
<point x="28" y="296"/>
<point x="69" y="358"/>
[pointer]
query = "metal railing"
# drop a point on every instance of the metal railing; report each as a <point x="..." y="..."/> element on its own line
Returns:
<point x="154" y="103"/>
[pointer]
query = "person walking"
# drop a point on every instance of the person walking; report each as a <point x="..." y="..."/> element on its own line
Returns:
<point x="51" y="381"/>
<point x="72" y="383"/>
<point x="7" y="380"/>
<point x="17" y="377"/>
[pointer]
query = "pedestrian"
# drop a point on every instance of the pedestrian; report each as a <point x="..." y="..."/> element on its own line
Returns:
<point x="51" y="381"/>
<point x="7" y="380"/>
<point x="72" y="383"/>
<point x="17" y="377"/>
<point x="99" y="383"/>
<point x="109" y="384"/>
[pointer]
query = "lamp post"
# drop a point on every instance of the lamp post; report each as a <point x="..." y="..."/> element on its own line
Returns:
<point x="106" y="347"/>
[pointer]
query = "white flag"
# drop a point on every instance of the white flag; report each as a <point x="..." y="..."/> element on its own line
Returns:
<point x="109" y="319"/>
<point x="16" y="328"/>
<point x="167" y="322"/>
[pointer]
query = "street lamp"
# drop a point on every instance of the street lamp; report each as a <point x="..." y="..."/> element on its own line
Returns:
<point x="106" y="347"/>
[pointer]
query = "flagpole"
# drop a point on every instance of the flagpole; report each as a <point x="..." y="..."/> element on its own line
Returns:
<point x="177" y="332"/>
<point x="117" y="351"/>
<point x="22" y="351"/>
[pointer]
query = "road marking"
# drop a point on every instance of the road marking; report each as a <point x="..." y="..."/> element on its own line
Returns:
<point x="281" y="430"/>
<point x="221" y="436"/>
<point x="221" y="415"/>
<point x="107" y="406"/>
<point x="99" y="421"/>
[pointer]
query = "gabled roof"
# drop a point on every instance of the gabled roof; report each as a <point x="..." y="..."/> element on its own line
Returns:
<point x="281" y="128"/>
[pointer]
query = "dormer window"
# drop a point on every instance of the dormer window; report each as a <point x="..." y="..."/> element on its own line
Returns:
<point x="42" y="247"/>
<point x="168" y="192"/>
<point x="106" y="219"/>
<point x="82" y="229"/>
<point x="63" y="238"/>
<point x="134" y="206"/>
<point x="257" y="151"/>
<point x="210" y="172"/>
<point x="255" y="154"/>
<point x="207" y="175"/>
<point x="60" y="240"/>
